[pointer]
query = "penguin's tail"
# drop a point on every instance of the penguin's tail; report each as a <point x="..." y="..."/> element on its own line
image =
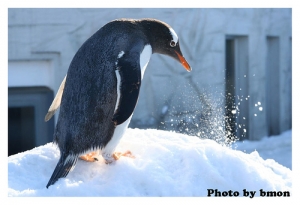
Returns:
<point x="65" y="164"/>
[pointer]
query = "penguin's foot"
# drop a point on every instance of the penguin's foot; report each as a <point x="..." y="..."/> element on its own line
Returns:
<point x="117" y="155"/>
<point x="90" y="157"/>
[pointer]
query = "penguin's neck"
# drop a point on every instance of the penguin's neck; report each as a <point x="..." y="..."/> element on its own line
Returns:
<point x="145" y="58"/>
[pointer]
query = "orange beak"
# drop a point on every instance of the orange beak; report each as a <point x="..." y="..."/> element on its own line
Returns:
<point x="184" y="62"/>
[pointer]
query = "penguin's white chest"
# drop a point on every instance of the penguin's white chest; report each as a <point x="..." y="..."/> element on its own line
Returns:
<point x="120" y="129"/>
<point x="145" y="58"/>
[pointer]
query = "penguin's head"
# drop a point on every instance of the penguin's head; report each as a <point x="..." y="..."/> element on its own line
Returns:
<point x="164" y="40"/>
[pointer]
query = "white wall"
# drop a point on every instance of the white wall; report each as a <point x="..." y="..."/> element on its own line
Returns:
<point x="30" y="73"/>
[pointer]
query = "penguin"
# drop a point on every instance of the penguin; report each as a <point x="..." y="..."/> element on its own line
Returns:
<point x="98" y="95"/>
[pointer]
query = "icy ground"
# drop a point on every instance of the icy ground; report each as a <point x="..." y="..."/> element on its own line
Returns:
<point x="165" y="164"/>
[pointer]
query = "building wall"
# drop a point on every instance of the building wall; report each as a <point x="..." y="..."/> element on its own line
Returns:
<point x="170" y="97"/>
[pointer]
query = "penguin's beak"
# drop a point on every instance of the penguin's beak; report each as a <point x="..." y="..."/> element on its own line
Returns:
<point x="184" y="63"/>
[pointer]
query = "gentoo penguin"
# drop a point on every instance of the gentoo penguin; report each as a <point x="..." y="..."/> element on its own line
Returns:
<point x="100" y="91"/>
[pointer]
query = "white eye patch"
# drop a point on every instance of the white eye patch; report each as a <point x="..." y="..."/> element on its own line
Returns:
<point x="174" y="35"/>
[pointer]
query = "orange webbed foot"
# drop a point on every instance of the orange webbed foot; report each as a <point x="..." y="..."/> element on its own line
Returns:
<point x="90" y="157"/>
<point x="118" y="155"/>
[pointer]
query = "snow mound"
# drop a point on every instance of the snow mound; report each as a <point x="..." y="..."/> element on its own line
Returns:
<point x="278" y="146"/>
<point x="165" y="164"/>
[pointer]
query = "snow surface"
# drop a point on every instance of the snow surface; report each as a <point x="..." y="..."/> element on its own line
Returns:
<point x="165" y="164"/>
<point x="278" y="148"/>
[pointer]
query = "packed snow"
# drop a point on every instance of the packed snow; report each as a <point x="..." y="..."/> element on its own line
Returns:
<point x="278" y="148"/>
<point x="165" y="164"/>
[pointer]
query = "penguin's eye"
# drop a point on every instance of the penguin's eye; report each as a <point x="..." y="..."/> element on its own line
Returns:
<point x="172" y="43"/>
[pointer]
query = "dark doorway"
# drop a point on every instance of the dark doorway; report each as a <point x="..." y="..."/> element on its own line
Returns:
<point x="27" y="129"/>
<point x="273" y="86"/>
<point x="21" y="129"/>
<point x="236" y="88"/>
<point x="230" y="89"/>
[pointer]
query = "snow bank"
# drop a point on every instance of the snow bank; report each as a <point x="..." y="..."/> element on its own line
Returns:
<point x="165" y="164"/>
<point x="276" y="147"/>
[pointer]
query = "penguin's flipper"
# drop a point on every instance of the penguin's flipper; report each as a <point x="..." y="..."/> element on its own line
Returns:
<point x="128" y="75"/>
<point x="65" y="164"/>
<point x="56" y="102"/>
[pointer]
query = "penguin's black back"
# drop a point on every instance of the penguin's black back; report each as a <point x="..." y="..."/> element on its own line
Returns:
<point x="90" y="94"/>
